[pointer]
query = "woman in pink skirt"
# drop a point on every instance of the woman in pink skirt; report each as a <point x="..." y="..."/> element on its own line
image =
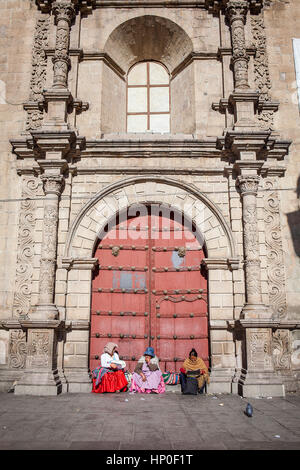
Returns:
<point x="147" y="376"/>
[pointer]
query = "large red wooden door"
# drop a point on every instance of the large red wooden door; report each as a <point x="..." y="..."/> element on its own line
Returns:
<point x="149" y="291"/>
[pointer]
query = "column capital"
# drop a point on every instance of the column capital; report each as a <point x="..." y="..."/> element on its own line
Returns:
<point x="248" y="184"/>
<point x="236" y="10"/>
<point x="52" y="184"/>
<point x="63" y="10"/>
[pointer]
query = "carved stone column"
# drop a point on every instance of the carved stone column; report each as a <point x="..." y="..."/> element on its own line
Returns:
<point x="236" y="12"/>
<point x="46" y="309"/>
<point x="58" y="97"/>
<point x="243" y="99"/>
<point x="248" y="186"/>
<point x="64" y="12"/>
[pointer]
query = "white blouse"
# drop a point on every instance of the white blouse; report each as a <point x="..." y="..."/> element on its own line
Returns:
<point x="107" y="359"/>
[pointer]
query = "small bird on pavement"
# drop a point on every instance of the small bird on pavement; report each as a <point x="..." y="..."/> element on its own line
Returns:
<point x="249" y="410"/>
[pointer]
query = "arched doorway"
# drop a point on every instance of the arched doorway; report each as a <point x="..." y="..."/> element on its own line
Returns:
<point x="149" y="289"/>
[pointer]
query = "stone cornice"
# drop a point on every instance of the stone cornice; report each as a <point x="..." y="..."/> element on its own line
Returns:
<point x="79" y="263"/>
<point x="265" y="323"/>
<point x="86" y="6"/>
<point x="221" y="263"/>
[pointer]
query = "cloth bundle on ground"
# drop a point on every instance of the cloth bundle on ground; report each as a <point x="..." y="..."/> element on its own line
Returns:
<point x="171" y="378"/>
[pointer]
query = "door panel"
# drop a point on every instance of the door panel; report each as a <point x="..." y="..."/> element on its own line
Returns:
<point x="149" y="291"/>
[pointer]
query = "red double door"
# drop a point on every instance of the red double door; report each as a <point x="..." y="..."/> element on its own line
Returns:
<point x="149" y="291"/>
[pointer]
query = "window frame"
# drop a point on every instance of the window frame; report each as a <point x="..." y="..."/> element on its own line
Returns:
<point x="148" y="86"/>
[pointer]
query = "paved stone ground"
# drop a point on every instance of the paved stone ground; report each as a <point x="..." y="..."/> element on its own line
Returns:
<point x="157" y="422"/>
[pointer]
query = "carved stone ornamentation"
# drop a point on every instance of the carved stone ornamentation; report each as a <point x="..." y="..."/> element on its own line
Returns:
<point x="275" y="264"/>
<point x="281" y="350"/>
<point x="40" y="348"/>
<point x="181" y="251"/>
<point x="259" y="349"/>
<point x="236" y="12"/>
<point x="115" y="250"/>
<point x="24" y="270"/>
<point x="17" y="349"/>
<point x="261" y="70"/>
<point x="64" y="13"/>
<point x="38" y="75"/>
<point x="248" y="187"/>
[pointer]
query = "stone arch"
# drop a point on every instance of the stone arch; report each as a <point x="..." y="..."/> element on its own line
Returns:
<point x="162" y="40"/>
<point x="186" y="198"/>
<point x="148" y="38"/>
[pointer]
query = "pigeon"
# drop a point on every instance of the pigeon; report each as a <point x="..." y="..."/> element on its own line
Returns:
<point x="249" y="410"/>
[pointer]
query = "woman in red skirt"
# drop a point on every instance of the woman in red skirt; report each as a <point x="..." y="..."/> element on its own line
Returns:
<point x="109" y="376"/>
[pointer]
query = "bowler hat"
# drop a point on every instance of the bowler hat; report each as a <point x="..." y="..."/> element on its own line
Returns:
<point x="149" y="352"/>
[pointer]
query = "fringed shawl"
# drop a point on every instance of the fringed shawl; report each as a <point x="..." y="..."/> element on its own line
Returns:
<point x="195" y="365"/>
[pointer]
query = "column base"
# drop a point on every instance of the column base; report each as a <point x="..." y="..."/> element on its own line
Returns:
<point x="256" y="311"/>
<point x="39" y="382"/>
<point x="220" y="381"/>
<point x="44" y="312"/>
<point x="260" y="385"/>
<point x="79" y="380"/>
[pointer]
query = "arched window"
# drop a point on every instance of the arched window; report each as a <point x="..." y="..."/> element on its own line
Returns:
<point x="148" y="98"/>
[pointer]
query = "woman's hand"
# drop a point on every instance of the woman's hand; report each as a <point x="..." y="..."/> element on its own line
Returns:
<point x="113" y="366"/>
<point x="143" y="377"/>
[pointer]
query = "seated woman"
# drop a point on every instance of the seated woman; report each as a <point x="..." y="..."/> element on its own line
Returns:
<point x="194" y="366"/>
<point x="109" y="376"/>
<point x="147" y="376"/>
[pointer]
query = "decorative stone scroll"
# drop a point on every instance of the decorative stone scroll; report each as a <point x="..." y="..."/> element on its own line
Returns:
<point x="275" y="266"/>
<point x="261" y="71"/>
<point x="236" y="11"/>
<point x="38" y="75"/>
<point x="22" y="297"/>
<point x="64" y="13"/>
<point x="281" y="350"/>
<point x="17" y="349"/>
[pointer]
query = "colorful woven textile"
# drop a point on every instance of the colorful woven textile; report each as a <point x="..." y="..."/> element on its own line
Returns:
<point x="98" y="373"/>
<point x="171" y="378"/>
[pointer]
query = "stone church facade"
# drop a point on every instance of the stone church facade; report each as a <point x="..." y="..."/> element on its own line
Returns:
<point x="229" y="161"/>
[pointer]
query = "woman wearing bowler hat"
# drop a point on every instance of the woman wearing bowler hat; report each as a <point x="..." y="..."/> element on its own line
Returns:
<point x="147" y="376"/>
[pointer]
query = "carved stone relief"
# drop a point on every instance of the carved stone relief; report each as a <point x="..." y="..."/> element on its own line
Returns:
<point x="275" y="265"/>
<point x="281" y="350"/>
<point x="261" y="70"/>
<point x="24" y="270"/>
<point x="40" y="347"/>
<point x="17" y="349"/>
<point x="259" y="349"/>
<point x="38" y="75"/>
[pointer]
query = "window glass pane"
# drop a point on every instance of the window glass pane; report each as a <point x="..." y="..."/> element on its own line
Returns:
<point x="137" y="123"/>
<point x="137" y="100"/>
<point x="138" y="74"/>
<point x="158" y="74"/>
<point x="159" y="99"/>
<point x="160" y="123"/>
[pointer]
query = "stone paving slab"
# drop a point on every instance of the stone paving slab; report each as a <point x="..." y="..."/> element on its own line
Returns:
<point x="148" y="422"/>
